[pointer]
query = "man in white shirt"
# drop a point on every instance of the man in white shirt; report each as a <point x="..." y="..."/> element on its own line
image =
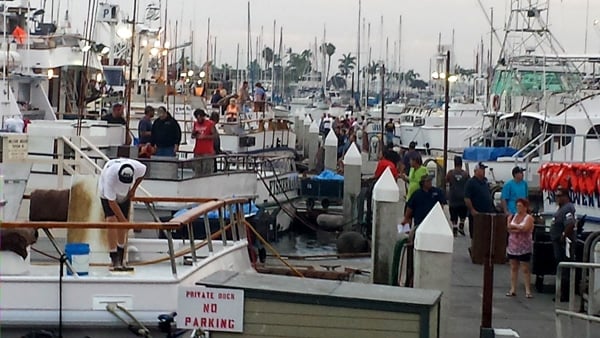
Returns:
<point x="117" y="184"/>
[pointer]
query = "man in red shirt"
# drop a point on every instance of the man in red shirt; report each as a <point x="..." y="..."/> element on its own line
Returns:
<point x="205" y="133"/>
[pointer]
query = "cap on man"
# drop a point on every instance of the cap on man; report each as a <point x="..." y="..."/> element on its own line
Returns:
<point x="513" y="190"/>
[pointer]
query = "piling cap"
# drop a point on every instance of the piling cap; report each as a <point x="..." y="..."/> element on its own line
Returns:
<point x="307" y="120"/>
<point x="434" y="234"/>
<point x="314" y="127"/>
<point x="331" y="140"/>
<point x="386" y="189"/>
<point x="352" y="156"/>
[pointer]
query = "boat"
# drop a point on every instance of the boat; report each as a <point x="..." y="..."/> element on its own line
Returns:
<point x="93" y="301"/>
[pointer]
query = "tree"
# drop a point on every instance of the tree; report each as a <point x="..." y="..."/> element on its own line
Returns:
<point x="347" y="63"/>
<point x="338" y="81"/>
<point x="372" y="69"/>
<point x="298" y="65"/>
<point x="268" y="55"/>
<point x="327" y="48"/>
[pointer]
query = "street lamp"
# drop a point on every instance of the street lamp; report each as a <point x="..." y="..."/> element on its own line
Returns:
<point x="447" y="80"/>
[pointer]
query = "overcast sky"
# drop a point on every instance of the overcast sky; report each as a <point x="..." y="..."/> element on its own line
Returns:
<point x="303" y="20"/>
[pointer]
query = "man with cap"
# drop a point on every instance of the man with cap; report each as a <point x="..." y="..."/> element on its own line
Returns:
<point x="117" y="184"/>
<point x="561" y="230"/>
<point x="457" y="179"/>
<point x="422" y="201"/>
<point x="417" y="208"/>
<point x="513" y="190"/>
<point x="478" y="197"/>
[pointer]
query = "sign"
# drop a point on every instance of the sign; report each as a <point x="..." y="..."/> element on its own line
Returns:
<point x="210" y="309"/>
<point x="15" y="147"/>
<point x="108" y="13"/>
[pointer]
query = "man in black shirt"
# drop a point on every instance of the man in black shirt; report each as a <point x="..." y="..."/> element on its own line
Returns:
<point x="116" y="116"/>
<point x="166" y="134"/>
<point x="478" y="197"/>
<point x="422" y="201"/>
<point x="390" y="132"/>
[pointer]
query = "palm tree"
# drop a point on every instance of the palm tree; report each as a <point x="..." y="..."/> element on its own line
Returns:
<point x="372" y="69"/>
<point x="268" y="55"/>
<point x="298" y="65"/>
<point x="347" y="63"/>
<point x="328" y="49"/>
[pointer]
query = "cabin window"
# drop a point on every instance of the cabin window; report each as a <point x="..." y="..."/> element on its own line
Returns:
<point x="419" y="121"/>
<point x="594" y="132"/>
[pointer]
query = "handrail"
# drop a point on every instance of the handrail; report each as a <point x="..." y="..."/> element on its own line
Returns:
<point x="91" y="225"/>
<point x="198" y="211"/>
<point x="535" y="139"/>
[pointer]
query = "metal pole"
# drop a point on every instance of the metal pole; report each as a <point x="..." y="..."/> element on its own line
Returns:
<point x="130" y="83"/>
<point x="446" y="108"/>
<point x="382" y="104"/>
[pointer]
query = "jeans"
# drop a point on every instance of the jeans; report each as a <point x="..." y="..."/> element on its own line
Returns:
<point x="165" y="151"/>
<point x="389" y="137"/>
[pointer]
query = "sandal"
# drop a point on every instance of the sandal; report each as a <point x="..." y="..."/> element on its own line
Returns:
<point x="511" y="294"/>
<point x="528" y="295"/>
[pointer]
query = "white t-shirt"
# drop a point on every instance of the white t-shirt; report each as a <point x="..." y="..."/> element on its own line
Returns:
<point x="327" y="123"/>
<point x="109" y="185"/>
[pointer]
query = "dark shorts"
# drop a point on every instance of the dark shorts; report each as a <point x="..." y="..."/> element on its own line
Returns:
<point x="108" y="211"/>
<point x="458" y="212"/>
<point x="521" y="258"/>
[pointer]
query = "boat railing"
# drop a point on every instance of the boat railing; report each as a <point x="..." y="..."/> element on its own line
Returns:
<point x="531" y="143"/>
<point x="586" y="307"/>
<point x="231" y="209"/>
<point x="554" y="142"/>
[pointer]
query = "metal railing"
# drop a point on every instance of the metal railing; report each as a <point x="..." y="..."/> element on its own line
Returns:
<point x="585" y="308"/>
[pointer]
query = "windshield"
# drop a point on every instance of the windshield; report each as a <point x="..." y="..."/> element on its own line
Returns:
<point x="114" y="77"/>
<point x="533" y="83"/>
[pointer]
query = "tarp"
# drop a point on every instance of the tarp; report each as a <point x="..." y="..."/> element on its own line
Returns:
<point x="487" y="153"/>
<point x="250" y="209"/>
<point x="329" y="175"/>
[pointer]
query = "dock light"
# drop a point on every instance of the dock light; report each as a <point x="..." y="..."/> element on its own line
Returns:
<point x="124" y="32"/>
<point x="452" y="78"/>
<point x="154" y="51"/>
<point x="50" y="73"/>
<point x="435" y="75"/>
<point x="202" y="74"/>
<point x="190" y="73"/>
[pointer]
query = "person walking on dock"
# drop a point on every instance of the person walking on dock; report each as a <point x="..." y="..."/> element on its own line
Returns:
<point x="562" y="230"/>
<point x="520" y="246"/>
<point x="117" y="184"/>
<point x="478" y="197"/>
<point x="390" y="132"/>
<point x="513" y="190"/>
<point x="457" y="179"/>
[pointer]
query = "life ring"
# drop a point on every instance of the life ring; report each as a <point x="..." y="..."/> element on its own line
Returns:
<point x="496" y="103"/>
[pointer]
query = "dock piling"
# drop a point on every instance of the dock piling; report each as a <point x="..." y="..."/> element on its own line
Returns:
<point x="352" y="185"/>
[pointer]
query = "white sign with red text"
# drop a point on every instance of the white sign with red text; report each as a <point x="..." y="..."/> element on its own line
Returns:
<point x="210" y="309"/>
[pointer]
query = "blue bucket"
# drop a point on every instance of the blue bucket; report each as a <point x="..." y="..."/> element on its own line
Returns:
<point x="78" y="255"/>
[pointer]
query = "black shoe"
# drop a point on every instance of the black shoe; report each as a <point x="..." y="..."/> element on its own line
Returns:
<point x="461" y="229"/>
<point x="262" y="255"/>
<point x="121" y="255"/>
<point x="455" y="232"/>
<point x="115" y="261"/>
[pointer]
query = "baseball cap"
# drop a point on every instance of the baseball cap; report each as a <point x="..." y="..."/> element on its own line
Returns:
<point x="517" y="170"/>
<point x="481" y="165"/>
<point x="126" y="173"/>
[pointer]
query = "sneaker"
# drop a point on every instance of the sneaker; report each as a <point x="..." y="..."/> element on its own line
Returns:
<point x="121" y="256"/>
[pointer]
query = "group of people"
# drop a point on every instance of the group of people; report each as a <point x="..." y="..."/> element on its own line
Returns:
<point x="232" y="105"/>
<point x="468" y="196"/>
<point x="346" y="128"/>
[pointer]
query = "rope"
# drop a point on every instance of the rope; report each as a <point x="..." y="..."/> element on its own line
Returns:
<point x="266" y="244"/>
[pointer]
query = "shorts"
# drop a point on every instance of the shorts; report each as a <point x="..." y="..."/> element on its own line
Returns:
<point x="458" y="212"/>
<point x="521" y="258"/>
<point x="124" y="206"/>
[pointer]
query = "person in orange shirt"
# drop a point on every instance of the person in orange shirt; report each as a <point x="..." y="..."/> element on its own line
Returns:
<point x="386" y="161"/>
<point x="204" y="133"/>
<point x="232" y="111"/>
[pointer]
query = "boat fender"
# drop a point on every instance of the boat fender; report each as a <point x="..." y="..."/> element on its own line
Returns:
<point x="330" y="222"/>
<point x="352" y="242"/>
<point x="496" y="103"/>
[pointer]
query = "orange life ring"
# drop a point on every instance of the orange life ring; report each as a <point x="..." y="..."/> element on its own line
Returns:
<point x="496" y="103"/>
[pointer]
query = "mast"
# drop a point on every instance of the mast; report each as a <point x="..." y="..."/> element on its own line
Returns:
<point x="324" y="51"/>
<point x="273" y="62"/>
<point x="207" y="63"/>
<point x="354" y="100"/>
<point x="248" y="45"/>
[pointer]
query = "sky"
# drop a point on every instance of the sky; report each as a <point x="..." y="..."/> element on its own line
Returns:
<point x="305" y="20"/>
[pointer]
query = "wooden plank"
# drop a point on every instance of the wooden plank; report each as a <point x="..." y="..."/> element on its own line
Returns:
<point x="194" y="213"/>
<point x="252" y="305"/>
<point x="91" y="225"/>
<point x="350" y="322"/>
